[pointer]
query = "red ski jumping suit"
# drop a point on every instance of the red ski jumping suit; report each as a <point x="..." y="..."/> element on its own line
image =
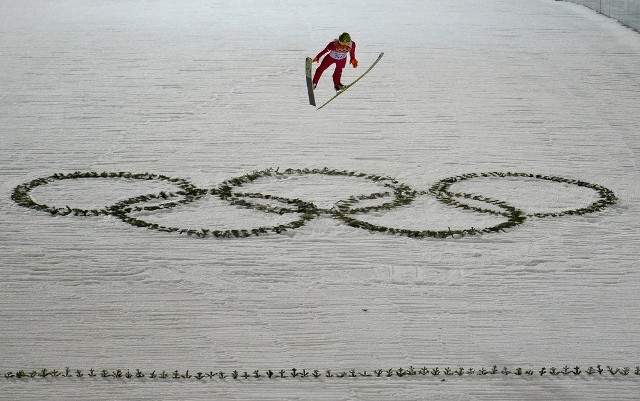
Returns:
<point x="338" y="56"/>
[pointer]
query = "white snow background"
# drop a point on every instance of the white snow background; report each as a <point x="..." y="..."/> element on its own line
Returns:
<point x="211" y="90"/>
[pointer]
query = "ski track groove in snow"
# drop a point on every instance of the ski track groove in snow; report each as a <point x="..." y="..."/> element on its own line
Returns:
<point x="208" y="91"/>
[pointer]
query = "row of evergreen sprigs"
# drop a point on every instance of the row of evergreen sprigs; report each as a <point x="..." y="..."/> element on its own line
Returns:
<point x="346" y="211"/>
<point x="328" y="374"/>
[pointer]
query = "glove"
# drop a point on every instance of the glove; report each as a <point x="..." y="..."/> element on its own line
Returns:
<point x="316" y="59"/>
<point x="354" y="62"/>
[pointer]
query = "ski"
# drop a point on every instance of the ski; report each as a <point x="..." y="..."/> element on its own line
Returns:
<point x="312" y="98"/>
<point x="352" y="83"/>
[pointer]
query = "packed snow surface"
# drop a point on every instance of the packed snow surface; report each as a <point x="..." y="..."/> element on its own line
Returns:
<point x="208" y="91"/>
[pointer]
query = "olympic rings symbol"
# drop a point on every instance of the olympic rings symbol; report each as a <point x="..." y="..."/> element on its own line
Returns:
<point x="393" y="194"/>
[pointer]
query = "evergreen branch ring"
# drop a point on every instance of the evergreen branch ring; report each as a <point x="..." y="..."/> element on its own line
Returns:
<point x="344" y="210"/>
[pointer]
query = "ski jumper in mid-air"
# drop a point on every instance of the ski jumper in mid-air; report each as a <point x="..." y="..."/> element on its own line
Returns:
<point x="338" y="51"/>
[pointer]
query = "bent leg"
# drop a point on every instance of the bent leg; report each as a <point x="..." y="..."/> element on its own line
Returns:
<point x="337" y="74"/>
<point x="326" y="62"/>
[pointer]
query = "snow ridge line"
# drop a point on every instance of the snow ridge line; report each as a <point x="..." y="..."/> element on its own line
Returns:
<point x="294" y="373"/>
<point x="344" y="210"/>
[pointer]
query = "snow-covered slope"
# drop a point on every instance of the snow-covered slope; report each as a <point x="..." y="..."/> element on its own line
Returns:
<point x="203" y="92"/>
